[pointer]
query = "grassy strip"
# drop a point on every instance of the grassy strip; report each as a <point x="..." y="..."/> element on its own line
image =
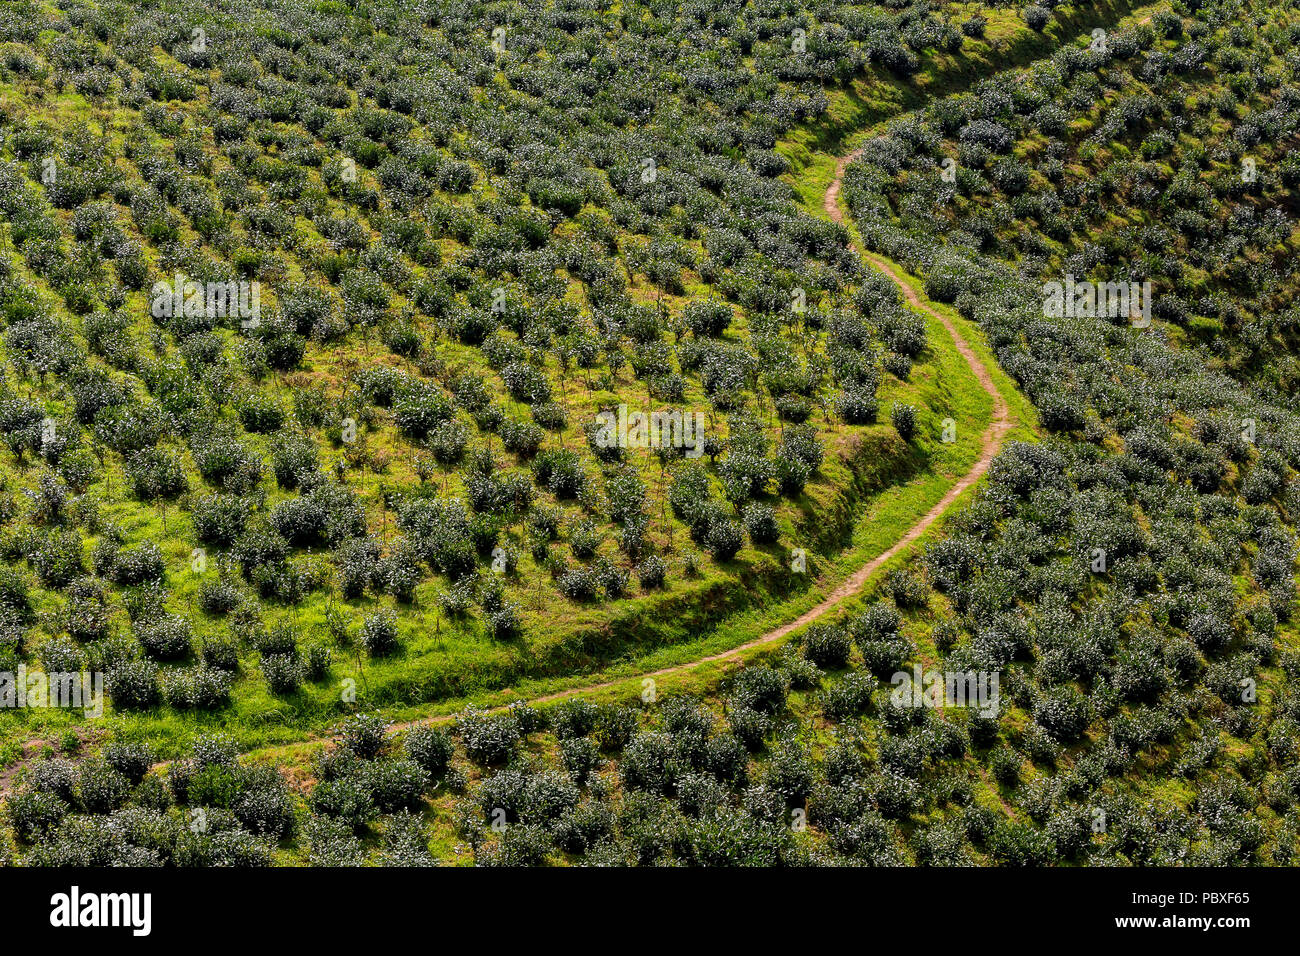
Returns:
<point x="734" y="611"/>
<point x="894" y="511"/>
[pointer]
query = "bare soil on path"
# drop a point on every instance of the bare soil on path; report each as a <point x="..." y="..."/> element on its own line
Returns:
<point x="991" y="443"/>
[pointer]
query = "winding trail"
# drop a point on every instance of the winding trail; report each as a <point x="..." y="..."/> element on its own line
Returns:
<point x="1001" y="423"/>
<point x="991" y="443"/>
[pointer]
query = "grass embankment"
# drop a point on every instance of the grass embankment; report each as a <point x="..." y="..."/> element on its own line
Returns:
<point x="853" y="515"/>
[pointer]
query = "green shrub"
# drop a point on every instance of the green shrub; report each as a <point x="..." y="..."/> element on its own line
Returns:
<point x="430" y="748"/>
<point x="379" y="633"/>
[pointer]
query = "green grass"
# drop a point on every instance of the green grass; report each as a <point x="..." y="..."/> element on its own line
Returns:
<point x="948" y="388"/>
<point x="694" y="618"/>
<point x="859" y="513"/>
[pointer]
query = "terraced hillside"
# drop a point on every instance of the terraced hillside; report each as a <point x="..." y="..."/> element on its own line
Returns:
<point x="484" y="238"/>
<point x="455" y="243"/>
